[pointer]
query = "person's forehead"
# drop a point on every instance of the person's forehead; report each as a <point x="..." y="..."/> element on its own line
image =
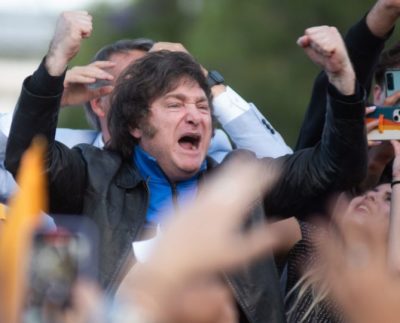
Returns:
<point x="186" y="88"/>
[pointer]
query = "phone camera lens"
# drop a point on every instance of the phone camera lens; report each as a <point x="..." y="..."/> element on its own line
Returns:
<point x="389" y="81"/>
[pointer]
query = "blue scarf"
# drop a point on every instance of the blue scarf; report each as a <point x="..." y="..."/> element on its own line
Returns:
<point x="161" y="189"/>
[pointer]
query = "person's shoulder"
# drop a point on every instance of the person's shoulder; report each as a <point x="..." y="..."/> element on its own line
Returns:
<point x="95" y="155"/>
<point x="101" y="162"/>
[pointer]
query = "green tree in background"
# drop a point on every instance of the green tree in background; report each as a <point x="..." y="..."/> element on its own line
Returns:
<point x="252" y="43"/>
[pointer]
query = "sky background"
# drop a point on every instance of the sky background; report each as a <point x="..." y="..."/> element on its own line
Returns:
<point x="38" y="6"/>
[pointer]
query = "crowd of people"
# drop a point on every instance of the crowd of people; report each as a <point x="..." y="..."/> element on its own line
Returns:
<point x="199" y="224"/>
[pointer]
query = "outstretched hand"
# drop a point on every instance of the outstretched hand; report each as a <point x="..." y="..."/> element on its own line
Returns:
<point x="80" y="83"/>
<point x="213" y="223"/>
<point x="72" y="27"/>
<point x="325" y="47"/>
<point x="214" y="226"/>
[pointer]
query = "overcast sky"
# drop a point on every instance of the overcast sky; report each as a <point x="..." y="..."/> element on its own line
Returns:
<point x="40" y="6"/>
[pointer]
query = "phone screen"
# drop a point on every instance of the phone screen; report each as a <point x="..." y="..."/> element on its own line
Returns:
<point x="392" y="81"/>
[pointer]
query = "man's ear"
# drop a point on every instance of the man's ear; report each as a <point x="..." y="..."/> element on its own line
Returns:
<point x="98" y="108"/>
<point x="136" y="133"/>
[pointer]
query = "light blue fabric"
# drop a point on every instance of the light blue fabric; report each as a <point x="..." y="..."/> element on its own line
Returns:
<point x="220" y="146"/>
<point x="253" y="132"/>
<point x="7" y="183"/>
<point x="73" y="137"/>
<point x="161" y="189"/>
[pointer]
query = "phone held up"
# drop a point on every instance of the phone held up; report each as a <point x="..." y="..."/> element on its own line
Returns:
<point x="388" y="123"/>
<point x="388" y="117"/>
<point x="60" y="258"/>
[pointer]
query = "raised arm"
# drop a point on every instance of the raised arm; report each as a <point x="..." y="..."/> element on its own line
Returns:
<point x="38" y="106"/>
<point x="338" y="162"/>
<point x="245" y="125"/>
<point x="365" y="42"/>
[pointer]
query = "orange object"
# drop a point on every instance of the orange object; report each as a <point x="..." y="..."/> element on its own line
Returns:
<point x="23" y="217"/>
<point x="380" y="125"/>
<point x="2" y="212"/>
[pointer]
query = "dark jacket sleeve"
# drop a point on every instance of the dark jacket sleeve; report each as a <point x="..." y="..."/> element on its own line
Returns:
<point x="364" y="49"/>
<point x="36" y="114"/>
<point x="336" y="163"/>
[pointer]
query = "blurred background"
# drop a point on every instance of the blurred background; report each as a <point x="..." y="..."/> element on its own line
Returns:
<point x="252" y="43"/>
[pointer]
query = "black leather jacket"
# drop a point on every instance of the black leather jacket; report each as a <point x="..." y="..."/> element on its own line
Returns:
<point x="364" y="49"/>
<point x="97" y="183"/>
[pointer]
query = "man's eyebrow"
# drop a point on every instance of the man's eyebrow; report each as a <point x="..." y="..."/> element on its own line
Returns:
<point x="182" y="97"/>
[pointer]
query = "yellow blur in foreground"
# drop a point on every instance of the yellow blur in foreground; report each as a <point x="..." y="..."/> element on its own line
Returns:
<point x="2" y="212"/>
<point x="23" y="216"/>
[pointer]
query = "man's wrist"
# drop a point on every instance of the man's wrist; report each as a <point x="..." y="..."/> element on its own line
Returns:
<point x="41" y="83"/>
<point x="55" y="65"/>
<point x="345" y="84"/>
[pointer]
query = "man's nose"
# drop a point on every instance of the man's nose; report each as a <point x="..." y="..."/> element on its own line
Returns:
<point x="371" y="195"/>
<point x="192" y="114"/>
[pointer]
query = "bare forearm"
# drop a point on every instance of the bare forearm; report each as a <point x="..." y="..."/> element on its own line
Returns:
<point x="344" y="82"/>
<point x="383" y="16"/>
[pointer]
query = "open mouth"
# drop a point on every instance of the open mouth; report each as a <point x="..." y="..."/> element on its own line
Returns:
<point x="190" y="141"/>
<point x="363" y="208"/>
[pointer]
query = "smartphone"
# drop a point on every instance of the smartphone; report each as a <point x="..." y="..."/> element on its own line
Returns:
<point x="392" y="81"/>
<point x="388" y="125"/>
<point x="58" y="259"/>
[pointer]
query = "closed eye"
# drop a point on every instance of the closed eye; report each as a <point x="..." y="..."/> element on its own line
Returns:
<point x="203" y="107"/>
<point x="174" y="105"/>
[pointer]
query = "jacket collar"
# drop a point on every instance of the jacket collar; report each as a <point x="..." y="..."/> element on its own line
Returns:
<point x="127" y="176"/>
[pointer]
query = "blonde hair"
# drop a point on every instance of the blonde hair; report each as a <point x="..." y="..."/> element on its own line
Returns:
<point x="309" y="282"/>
